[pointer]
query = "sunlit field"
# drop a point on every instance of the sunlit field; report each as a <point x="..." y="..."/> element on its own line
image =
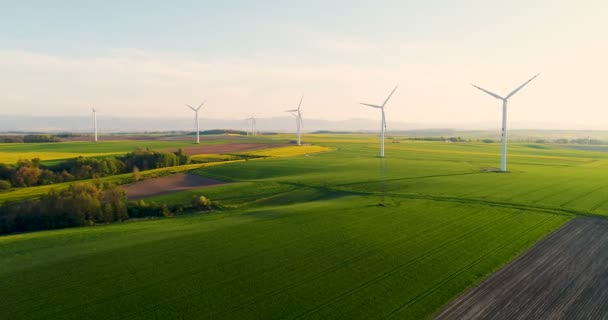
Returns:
<point x="12" y="152"/>
<point x="326" y="230"/>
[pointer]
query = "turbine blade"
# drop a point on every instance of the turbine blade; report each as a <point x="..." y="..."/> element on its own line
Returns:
<point x="300" y="104"/>
<point x="383" y="118"/>
<point x="371" y="105"/>
<point x="189" y="106"/>
<point x="389" y="96"/>
<point x="489" y="92"/>
<point x="294" y="110"/>
<point x="521" y="87"/>
<point x="201" y="105"/>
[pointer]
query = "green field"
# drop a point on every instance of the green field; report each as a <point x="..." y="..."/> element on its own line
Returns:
<point x="304" y="237"/>
<point x="12" y="152"/>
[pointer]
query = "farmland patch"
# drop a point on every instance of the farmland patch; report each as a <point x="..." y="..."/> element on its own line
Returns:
<point x="167" y="185"/>
<point x="228" y="148"/>
<point x="563" y="277"/>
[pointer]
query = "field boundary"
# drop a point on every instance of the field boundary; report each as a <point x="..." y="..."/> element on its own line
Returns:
<point x="32" y="193"/>
<point x="568" y="287"/>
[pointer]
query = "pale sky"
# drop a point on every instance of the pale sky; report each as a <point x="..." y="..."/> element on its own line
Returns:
<point x="149" y="58"/>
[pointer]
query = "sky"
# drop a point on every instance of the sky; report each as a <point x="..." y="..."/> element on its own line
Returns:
<point x="149" y="58"/>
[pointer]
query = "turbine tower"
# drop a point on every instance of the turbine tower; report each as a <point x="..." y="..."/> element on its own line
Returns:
<point x="253" y="124"/>
<point x="383" y="124"/>
<point x="198" y="140"/>
<point x="298" y="114"/>
<point x="503" y="160"/>
<point x="95" y="122"/>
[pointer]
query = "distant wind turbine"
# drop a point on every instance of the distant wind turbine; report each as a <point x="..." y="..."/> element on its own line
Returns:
<point x="253" y="124"/>
<point x="298" y="114"/>
<point x="95" y="122"/>
<point x="383" y="128"/>
<point x="503" y="161"/>
<point x="198" y="140"/>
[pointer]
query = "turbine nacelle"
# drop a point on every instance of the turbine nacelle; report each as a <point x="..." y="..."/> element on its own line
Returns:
<point x="252" y="121"/>
<point x="198" y="140"/>
<point x="298" y="115"/>
<point x="383" y="123"/>
<point x="196" y="109"/>
<point x="385" y="101"/>
<point x="372" y="105"/>
<point x="503" y="160"/>
<point x="510" y="94"/>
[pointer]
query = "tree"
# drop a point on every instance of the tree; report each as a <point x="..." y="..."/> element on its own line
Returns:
<point x="116" y="198"/>
<point x="5" y="184"/>
<point x="136" y="174"/>
<point x="201" y="202"/>
<point x="26" y="176"/>
<point x="107" y="213"/>
<point x="166" y="211"/>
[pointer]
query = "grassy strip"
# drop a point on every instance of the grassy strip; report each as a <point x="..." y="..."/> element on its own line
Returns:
<point x="35" y="192"/>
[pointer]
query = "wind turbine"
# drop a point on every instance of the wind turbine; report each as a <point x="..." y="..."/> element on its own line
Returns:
<point x="253" y="124"/>
<point x="383" y="128"/>
<point x="198" y="140"/>
<point x="95" y="122"/>
<point x="298" y="115"/>
<point x="503" y="160"/>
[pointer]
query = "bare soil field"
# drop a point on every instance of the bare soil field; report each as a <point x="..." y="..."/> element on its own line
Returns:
<point x="167" y="185"/>
<point x="228" y="148"/>
<point x="564" y="276"/>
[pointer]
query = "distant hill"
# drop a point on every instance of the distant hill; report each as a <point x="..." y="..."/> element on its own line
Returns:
<point x="26" y="124"/>
<point x="221" y="131"/>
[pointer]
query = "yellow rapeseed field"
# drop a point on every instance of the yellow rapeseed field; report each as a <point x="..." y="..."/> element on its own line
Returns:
<point x="290" y="151"/>
<point x="13" y="157"/>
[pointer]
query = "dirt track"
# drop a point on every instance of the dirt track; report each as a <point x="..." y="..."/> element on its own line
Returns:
<point x="167" y="185"/>
<point x="564" y="276"/>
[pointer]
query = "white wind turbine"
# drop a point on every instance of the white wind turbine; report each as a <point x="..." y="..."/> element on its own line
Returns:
<point x="253" y="124"/>
<point x="503" y="160"/>
<point x="198" y="140"/>
<point x="298" y="114"/>
<point x="95" y="122"/>
<point x="383" y="119"/>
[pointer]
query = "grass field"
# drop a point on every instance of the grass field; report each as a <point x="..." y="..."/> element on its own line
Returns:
<point x="339" y="257"/>
<point x="304" y="236"/>
<point x="541" y="177"/>
<point x="19" y="194"/>
<point x="12" y="152"/>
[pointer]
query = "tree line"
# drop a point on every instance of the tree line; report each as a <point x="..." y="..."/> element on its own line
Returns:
<point x="86" y="204"/>
<point x="29" y="138"/>
<point x="29" y="173"/>
<point x="78" y="205"/>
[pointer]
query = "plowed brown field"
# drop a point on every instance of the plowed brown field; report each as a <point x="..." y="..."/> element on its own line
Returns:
<point x="565" y="276"/>
<point x="166" y="185"/>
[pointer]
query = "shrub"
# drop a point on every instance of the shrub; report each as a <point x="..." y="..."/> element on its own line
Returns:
<point x="136" y="174"/>
<point x="166" y="211"/>
<point x="201" y="202"/>
<point x="5" y="184"/>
